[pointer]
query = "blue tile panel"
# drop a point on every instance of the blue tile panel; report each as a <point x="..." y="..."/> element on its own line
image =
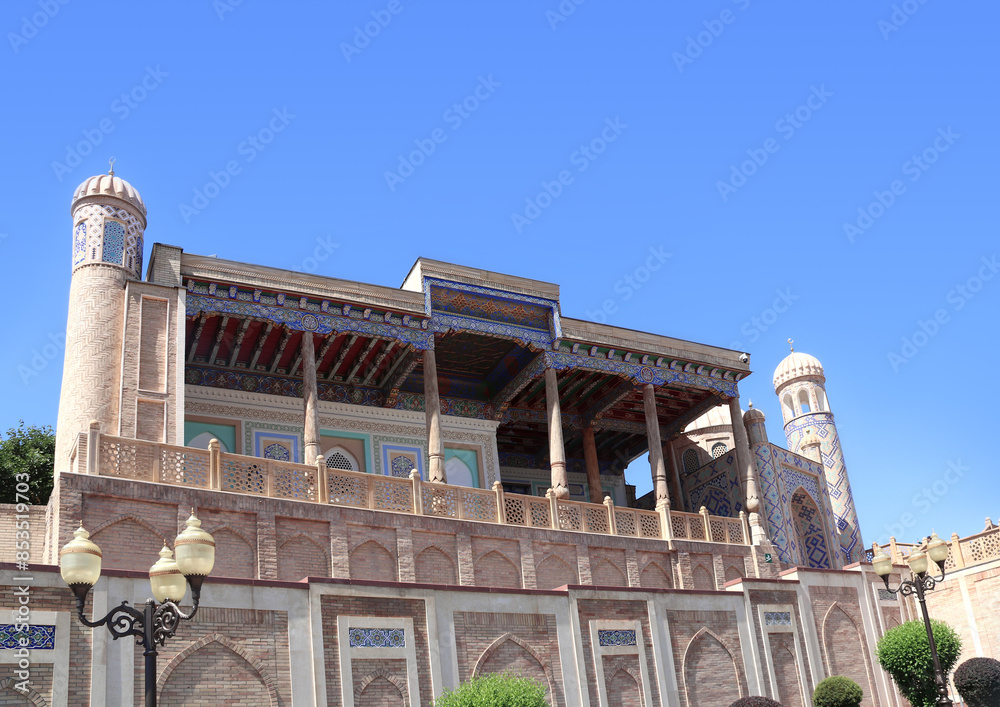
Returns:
<point x="39" y="637"/>
<point x="616" y="637"/>
<point x="377" y="637"/>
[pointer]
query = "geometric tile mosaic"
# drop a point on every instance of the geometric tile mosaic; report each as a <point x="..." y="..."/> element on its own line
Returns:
<point x="377" y="637"/>
<point x="777" y="618"/>
<point x="38" y="637"/>
<point x="616" y="637"/>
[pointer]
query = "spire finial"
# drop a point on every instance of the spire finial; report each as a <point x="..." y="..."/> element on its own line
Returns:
<point x="751" y="404"/>
<point x="111" y="168"/>
<point x="790" y="342"/>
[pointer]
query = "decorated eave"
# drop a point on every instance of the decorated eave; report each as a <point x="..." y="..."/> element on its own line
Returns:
<point x="493" y="335"/>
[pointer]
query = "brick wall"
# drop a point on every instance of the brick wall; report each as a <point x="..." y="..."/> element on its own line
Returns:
<point x="608" y="568"/>
<point x="224" y="656"/>
<point x="707" y="656"/>
<point x="335" y="606"/>
<point x="39" y="690"/>
<point x="524" y="643"/>
<point x="379" y="683"/>
<point x="840" y="627"/>
<point x="603" y="610"/>
<point x="36" y="532"/>
<point x="497" y="562"/>
<point x="623" y="680"/>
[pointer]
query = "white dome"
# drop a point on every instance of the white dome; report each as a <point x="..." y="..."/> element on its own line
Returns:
<point x="103" y="186"/>
<point x="797" y="365"/>
<point x="714" y="417"/>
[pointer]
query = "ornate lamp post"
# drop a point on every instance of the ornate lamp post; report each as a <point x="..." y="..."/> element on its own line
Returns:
<point x="936" y="550"/>
<point x="80" y="566"/>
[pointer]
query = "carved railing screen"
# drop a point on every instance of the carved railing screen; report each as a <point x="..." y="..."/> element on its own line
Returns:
<point x="210" y="469"/>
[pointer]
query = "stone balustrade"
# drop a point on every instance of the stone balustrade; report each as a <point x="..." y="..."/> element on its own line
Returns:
<point x="963" y="552"/>
<point x="106" y="455"/>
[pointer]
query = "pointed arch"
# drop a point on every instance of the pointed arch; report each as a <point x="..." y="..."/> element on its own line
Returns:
<point x="734" y="572"/>
<point x="703" y="577"/>
<point x="804" y="406"/>
<point x="381" y="674"/>
<point x="786" y="673"/>
<point x="553" y="571"/>
<point x="371" y="560"/>
<point x="235" y="553"/>
<point x="622" y="682"/>
<point x="252" y="664"/>
<point x="844" y="649"/>
<point x="605" y="573"/>
<point x="500" y="651"/>
<point x="706" y="681"/>
<point x="810" y="530"/>
<point x="494" y="569"/>
<point x="300" y="556"/>
<point x="32" y="696"/>
<point x="128" y="541"/>
<point x="339" y="458"/>
<point x="788" y="406"/>
<point x="654" y="576"/>
<point x="434" y="566"/>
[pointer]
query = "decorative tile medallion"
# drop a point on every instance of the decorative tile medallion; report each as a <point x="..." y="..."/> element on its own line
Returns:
<point x="777" y="618"/>
<point x="616" y="637"/>
<point x="886" y="595"/>
<point x="39" y="637"/>
<point x="276" y="451"/>
<point x="377" y="637"/>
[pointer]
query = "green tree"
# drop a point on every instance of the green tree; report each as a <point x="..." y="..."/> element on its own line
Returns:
<point x="27" y="455"/>
<point x="495" y="690"/>
<point x="905" y="654"/>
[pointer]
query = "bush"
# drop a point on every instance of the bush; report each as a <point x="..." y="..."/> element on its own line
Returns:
<point x="905" y="654"/>
<point x="838" y="691"/>
<point x="978" y="682"/>
<point x="495" y="690"/>
<point x="755" y="702"/>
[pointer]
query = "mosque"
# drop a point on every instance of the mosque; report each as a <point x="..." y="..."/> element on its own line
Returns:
<point x="411" y="486"/>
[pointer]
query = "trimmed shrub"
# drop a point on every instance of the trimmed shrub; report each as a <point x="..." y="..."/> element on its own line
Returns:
<point x="978" y="682"/>
<point x="755" y="701"/>
<point x="495" y="690"/>
<point x="905" y="654"/>
<point x="838" y="691"/>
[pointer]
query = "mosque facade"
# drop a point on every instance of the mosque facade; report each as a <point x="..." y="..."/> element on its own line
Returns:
<point x="411" y="486"/>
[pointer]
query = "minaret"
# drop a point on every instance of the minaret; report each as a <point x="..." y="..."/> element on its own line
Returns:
<point x="109" y="218"/>
<point x="800" y="384"/>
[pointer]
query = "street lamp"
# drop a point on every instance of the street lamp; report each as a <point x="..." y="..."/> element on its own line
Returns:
<point x="80" y="566"/>
<point x="936" y="550"/>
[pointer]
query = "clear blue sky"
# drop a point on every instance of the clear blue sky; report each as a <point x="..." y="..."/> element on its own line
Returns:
<point x="649" y="110"/>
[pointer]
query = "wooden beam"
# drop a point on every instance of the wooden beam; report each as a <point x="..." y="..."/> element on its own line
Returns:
<point x="340" y="357"/>
<point x="202" y="318"/>
<point x="218" y="339"/>
<point x="259" y="346"/>
<point x="361" y="358"/>
<point x="239" y="342"/>
<point x="373" y="369"/>
<point x="281" y="349"/>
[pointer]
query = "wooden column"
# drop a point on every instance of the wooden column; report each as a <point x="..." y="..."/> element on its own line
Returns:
<point x="656" y="465"/>
<point x="593" y="467"/>
<point x="310" y="395"/>
<point x="675" y="475"/>
<point x="747" y="470"/>
<point x="557" y="452"/>
<point x="432" y="408"/>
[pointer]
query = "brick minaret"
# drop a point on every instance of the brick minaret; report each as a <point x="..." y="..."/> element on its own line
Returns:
<point x="109" y="218"/>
